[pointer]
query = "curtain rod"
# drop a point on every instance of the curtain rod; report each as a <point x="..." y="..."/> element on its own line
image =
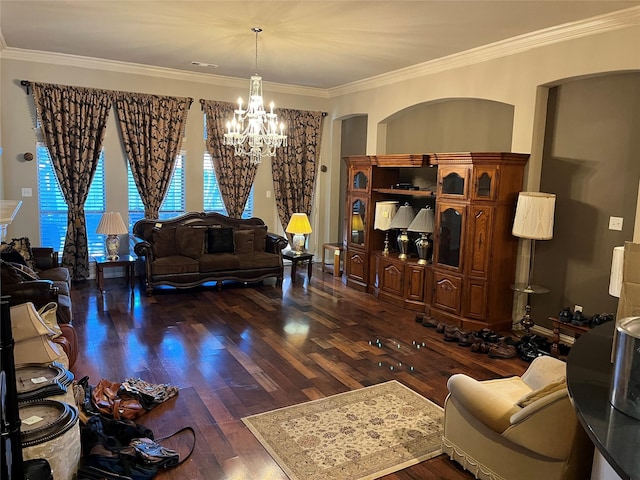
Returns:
<point x="202" y="102"/>
<point x="27" y="85"/>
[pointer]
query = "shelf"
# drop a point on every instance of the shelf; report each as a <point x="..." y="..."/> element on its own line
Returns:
<point x="410" y="193"/>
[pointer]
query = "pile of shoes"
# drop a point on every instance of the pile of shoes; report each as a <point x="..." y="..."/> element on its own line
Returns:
<point x="532" y="346"/>
<point x="481" y="341"/>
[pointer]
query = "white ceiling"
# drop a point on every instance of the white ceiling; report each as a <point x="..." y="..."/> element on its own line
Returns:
<point x="321" y="44"/>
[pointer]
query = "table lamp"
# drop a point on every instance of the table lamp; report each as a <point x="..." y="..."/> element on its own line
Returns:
<point x="533" y="221"/>
<point x="357" y="226"/>
<point x="401" y="220"/>
<point x="385" y="211"/>
<point x="299" y="226"/>
<point x="111" y="225"/>
<point x="424" y="225"/>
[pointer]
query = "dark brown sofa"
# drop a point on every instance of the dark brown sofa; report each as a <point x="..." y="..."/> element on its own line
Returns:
<point x="200" y="247"/>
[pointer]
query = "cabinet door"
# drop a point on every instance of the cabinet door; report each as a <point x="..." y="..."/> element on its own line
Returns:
<point x="484" y="183"/>
<point x="480" y="227"/>
<point x="453" y="182"/>
<point x="475" y="299"/>
<point x="391" y="278"/>
<point x="450" y="235"/>
<point x="360" y="179"/>
<point x="356" y="220"/>
<point x="415" y="282"/>
<point x="447" y="292"/>
<point x="357" y="266"/>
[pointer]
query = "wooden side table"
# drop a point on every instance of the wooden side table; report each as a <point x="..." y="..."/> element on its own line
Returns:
<point x="126" y="261"/>
<point x="299" y="258"/>
<point x="558" y="325"/>
<point x="337" y="250"/>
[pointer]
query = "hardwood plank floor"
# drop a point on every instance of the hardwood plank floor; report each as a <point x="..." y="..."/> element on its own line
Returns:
<point x="249" y="349"/>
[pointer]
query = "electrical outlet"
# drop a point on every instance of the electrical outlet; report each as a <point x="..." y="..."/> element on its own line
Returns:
<point x="577" y="308"/>
<point x="615" y="223"/>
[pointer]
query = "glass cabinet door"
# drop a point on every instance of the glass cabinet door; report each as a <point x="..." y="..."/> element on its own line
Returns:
<point x="452" y="181"/>
<point x="450" y="235"/>
<point x="357" y="222"/>
<point x="484" y="183"/>
<point x="359" y="179"/>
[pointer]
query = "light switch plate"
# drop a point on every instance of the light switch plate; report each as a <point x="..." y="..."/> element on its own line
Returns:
<point x="27" y="192"/>
<point x="615" y="223"/>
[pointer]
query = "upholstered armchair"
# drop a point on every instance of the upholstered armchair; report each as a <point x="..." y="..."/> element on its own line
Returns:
<point x="516" y="428"/>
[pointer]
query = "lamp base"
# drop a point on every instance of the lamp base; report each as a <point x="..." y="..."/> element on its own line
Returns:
<point x="423" y="245"/>
<point x="403" y="244"/>
<point x="112" y="244"/>
<point x="298" y="242"/>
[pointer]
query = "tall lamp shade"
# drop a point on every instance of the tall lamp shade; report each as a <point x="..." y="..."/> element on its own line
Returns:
<point x="111" y="225"/>
<point x="385" y="211"/>
<point x="615" y="280"/>
<point x="299" y="226"/>
<point x="402" y="219"/>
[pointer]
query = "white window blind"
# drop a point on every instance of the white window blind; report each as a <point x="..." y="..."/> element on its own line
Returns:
<point x="53" y="208"/>
<point x="173" y="204"/>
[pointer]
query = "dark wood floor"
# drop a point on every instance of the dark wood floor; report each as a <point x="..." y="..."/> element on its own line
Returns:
<point x="250" y="349"/>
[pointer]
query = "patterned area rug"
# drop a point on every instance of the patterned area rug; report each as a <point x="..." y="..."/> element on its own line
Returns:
<point x="363" y="434"/>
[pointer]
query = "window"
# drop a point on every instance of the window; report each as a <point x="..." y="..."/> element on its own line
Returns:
<point x="212" y="198"/>
<point x="53" y="208"/>
<point x="174" y="202"/>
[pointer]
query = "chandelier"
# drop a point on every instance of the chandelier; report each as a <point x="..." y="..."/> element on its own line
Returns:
<point x="253" y="131"/>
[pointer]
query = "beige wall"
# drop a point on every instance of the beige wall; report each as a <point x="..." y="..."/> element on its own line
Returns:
<point x="519" y="80"/>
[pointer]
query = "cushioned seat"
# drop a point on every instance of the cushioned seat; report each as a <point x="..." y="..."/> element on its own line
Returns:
<point x="516" y="428"/>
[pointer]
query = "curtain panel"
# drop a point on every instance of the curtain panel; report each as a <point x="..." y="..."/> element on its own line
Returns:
<point x="235" y="175"/>
<point x="73" y="121"/>
<point x="295" y="167"/>
<point x="152" y="129"/>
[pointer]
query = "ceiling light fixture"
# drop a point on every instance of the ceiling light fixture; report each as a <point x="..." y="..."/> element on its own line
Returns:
<point x="253" y="131"/>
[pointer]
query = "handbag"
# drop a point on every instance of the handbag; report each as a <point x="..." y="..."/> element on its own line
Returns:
<point x="109" y="399"/>
<point x="151" y="452"/>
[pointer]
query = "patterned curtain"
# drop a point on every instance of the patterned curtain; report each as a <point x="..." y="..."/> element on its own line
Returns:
<point x="235" y="175"/>
<point x="73" y="123"/>
<point x="295" y="167"/>
<point x="152" y="128"/>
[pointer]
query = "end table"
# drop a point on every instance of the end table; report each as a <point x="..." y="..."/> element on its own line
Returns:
<point x="126" y="261"/>
<point x="296" y="258"/>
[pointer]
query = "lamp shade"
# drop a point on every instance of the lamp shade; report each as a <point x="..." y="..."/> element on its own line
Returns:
<point x="534" y="216"/>
<point x="403" y="217"/>
<point x="385" y="212"/>
<point x="424" y="221"/>
<point x="356" y="222"/>
<point x="111" y="224"/>
<point x="617" y="263"/>
<point x="299" y="224"/>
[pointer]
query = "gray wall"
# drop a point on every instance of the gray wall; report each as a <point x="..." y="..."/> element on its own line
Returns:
<point x="591" y="161"/>
<point x="452" y="125"/>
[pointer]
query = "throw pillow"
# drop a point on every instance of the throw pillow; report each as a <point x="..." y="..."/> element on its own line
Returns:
<point x="21" y="272"/>
<point x="23" y="247"/>
<point x="12" y="256"/>
<point x="190" y="241"/>
<point x="259" y="237"/>
<point x="535" y="395"/>
<point x="220" y="239"/>
<point x="9" y="275"/>
<point x="243" y="241"/>
<point x="164" y="241"/>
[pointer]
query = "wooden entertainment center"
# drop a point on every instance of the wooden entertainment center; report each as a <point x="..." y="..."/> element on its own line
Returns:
<point x="474" y="253"/>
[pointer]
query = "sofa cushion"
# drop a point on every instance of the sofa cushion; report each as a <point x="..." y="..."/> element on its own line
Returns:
<point x="164" y="242"/>
<point x="259" y="260"/>
<point x="259" y="237"/>
<point x="190" y="241"/>
<point x="23" y="247"/>
<point x="542" y="392"/>
<point x="214" y="262"/>
<point x="220" y="239"/>
<point x="174" y="264"/>
<point x="56" y="274"/>
<point x="243" y="241"/>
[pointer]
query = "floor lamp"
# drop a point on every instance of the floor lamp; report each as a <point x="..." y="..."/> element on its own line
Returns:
<point x="533" y="221"/>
